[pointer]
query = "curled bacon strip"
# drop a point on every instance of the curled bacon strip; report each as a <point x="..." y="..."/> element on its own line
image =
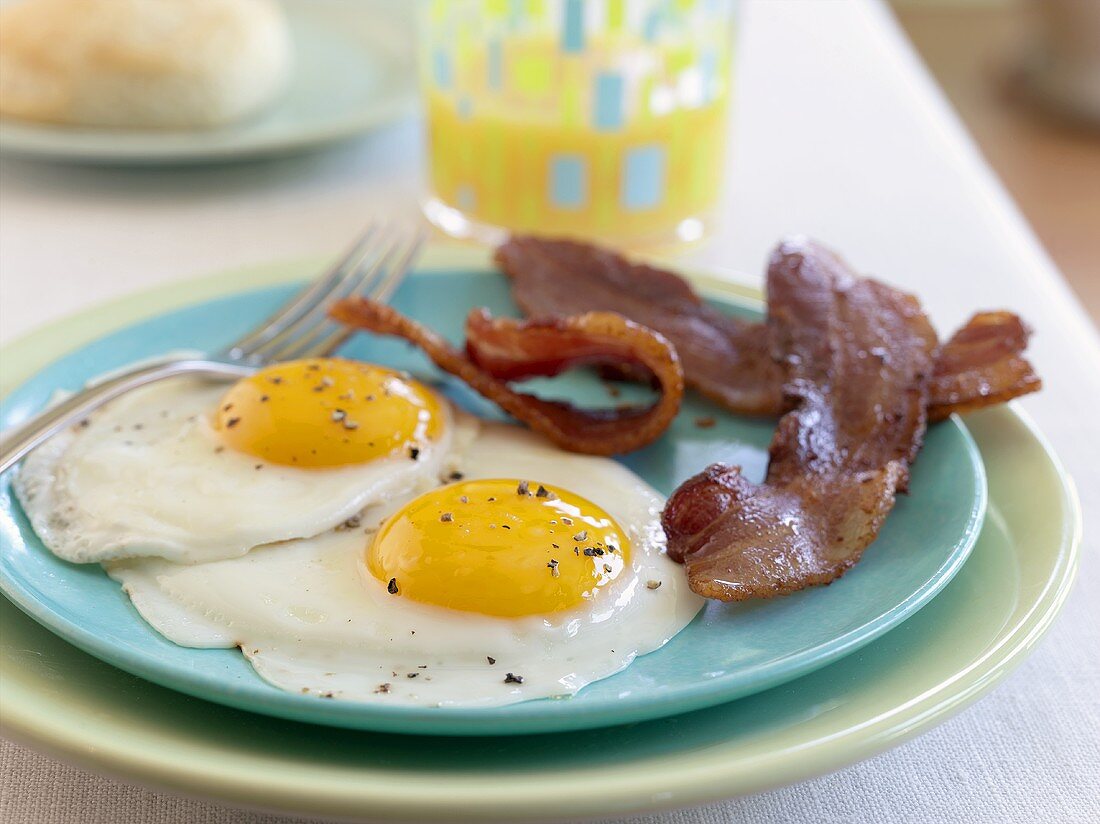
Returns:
<point x="859" y="357"/>
<point x="504" y="349"/>
<point x="727" y="359"/>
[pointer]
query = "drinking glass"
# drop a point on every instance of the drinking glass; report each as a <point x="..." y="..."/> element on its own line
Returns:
<point x="584" y="118"/>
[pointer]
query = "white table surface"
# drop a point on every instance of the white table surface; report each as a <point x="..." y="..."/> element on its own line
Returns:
<point x="841" y="135"/>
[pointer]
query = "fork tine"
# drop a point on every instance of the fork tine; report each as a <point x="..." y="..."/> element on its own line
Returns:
<point x="331" y="336"/>
<point x="304" y="300"/>
<point x="365" y="269"/>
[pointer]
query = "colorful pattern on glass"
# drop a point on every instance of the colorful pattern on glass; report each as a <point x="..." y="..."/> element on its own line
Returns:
<point x="578" y="117"/>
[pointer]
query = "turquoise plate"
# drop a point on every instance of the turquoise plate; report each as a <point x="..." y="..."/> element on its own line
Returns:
<point x="729" y="651"/>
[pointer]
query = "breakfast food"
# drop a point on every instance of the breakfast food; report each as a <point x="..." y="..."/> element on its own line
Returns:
<point x="358" y="537"/>
<point x="859" y="356"/>
<point x="982" y="364"/>
<point x="534" y="573"/>
<point x="188" y="471"/>
<point x="856" y="363"/>
<point x="728" y="359"/>
<point x="140" y="64"/>
<point x="724" y="357"/>
<point x="502" y="349"/>
<point x="853" y="363"/>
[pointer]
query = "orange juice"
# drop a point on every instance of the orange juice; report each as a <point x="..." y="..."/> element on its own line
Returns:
<point x="584" y="129"/>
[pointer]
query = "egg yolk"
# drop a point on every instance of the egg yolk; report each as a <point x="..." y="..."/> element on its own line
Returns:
<point x="327" y="412"/>
<point x="500" y="547"/>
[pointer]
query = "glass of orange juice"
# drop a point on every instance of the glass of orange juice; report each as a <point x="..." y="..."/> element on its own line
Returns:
<point x="582" y="118"/>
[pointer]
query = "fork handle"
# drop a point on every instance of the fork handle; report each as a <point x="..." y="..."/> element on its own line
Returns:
<point x="16" y="442"/>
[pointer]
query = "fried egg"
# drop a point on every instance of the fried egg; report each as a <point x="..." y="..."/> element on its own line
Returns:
<point x="533" y="573"/>
<point x="188" y="471"/>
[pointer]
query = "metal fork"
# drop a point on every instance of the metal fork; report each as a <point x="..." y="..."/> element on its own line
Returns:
<point x="373" y="266"/>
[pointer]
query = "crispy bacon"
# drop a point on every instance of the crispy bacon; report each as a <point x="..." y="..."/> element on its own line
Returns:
<point x="859" y="357"/>
<point x="982" y="365"/>
<point x="499" y="350"/>
<point x="727" y="359"/>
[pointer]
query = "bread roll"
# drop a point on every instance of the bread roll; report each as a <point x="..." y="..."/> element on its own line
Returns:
<point x="141" y="63"/>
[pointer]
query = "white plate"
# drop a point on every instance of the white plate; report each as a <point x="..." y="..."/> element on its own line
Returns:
<point x="354" y="71"/>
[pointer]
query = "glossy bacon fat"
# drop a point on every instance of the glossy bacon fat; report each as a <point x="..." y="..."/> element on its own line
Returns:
<point x="499" y="350"/>
<point x="859" y="358"/>
<point x="728" y="359"/>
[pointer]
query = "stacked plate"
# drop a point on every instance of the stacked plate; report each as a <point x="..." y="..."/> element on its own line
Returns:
<point x="968" y="573"/>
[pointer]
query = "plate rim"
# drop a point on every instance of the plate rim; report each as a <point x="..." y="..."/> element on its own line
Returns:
<point x="1014" y="641"/>
<point x="524" y="719"/>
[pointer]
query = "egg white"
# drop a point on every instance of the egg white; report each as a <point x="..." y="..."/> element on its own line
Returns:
<point x="312" y="619"/>
<point x="147" y="475"/>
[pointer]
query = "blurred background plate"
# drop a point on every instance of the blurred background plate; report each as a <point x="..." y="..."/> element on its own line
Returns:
<point x="354" y="71"/>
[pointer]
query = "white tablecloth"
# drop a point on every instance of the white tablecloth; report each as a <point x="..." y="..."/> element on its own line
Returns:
<point x="841" y="135"/>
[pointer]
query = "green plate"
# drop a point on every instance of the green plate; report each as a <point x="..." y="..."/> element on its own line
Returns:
<point x="60" y="700"/>
<point x="728" y="651"/>
<point x="353" y="71"/>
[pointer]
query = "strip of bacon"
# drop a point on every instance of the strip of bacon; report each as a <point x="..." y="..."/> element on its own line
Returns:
<point x="499" y="350"/>
<point x="860" y="358"/>
<point x="982" y="365"/>
<point x="725" y="358"/>
<point x="729" y="360"/>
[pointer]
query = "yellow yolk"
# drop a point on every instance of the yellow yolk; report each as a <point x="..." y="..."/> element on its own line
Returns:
<point x="499" y="547"/>
<point x="327" y="412"/>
